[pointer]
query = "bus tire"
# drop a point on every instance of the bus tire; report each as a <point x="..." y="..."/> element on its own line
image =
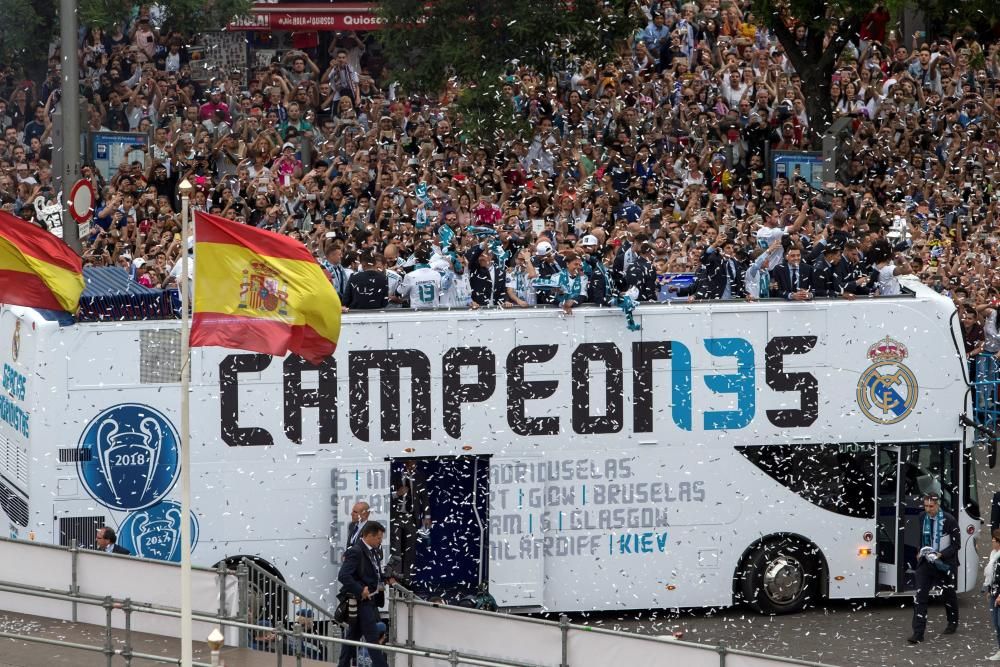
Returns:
<point x="781" y="576"/>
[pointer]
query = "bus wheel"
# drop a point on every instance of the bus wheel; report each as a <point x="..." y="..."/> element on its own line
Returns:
<point x="780" y="578"/>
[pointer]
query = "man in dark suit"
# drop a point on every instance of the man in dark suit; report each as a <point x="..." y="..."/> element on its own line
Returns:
<point x="641" y="274"/>
<point x="107" y="541"/>
<point x="720" y="274"/>
<point x="825" y="278"/>
<point x="937" y="565"/>
<point x="359" y="517"/>
<point x="851" y="272"/>
<point x="795" y="279"/>
<point x="361" y="576"/>
<point x="369" y="288"/>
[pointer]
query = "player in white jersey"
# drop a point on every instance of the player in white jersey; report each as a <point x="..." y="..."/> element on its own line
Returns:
<point x="772" y="231"/>
<point x="449" y="281"/>
<point x="394" y="280"/>
<point x="422" y="285"/>
<point x="887" y="282"/>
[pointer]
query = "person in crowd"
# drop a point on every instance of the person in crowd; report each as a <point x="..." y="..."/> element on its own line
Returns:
<point x="359" y="517"/>
<point x="720" y="275"/>
<point x="825" y="278"/>
<point x="665" y="143"/>
<point x="520" y="280"/>
<point x="487" y="277"/>
<point x="368" y="288"/>
<point x="757" y="280"/>
<point x="937" y="565"/>
<point x="795" y="279"/>
<point x="422" y="286"/>
<point x="361" y="575"/>
<point x="107" y="541"/>
<point x="571" y="284"/>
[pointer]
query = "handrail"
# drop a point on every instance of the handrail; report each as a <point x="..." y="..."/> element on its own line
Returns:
<point x="258" y="571"/>
<point x="412" y="649"/>
<point x="59" y="547"/>
<point x="453" y="657"/>
<point x="410" y="598"/>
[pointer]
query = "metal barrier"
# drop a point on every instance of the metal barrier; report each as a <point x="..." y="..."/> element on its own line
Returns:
<point x="267" y="601"/>
<point x="294" y="628"/>
<point x="425" y="626"/>
<point x="294" y="636"/>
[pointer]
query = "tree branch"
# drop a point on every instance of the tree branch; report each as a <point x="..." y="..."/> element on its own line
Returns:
<point x="847" y="30"/>
<point x="787" y="41"/>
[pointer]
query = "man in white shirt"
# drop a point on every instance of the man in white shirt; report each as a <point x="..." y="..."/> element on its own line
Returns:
<point x="887" y="283"/>
<point x="771" y="231"/>
<point x="422" y="285"/>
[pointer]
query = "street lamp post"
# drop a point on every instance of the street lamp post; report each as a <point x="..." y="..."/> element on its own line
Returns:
<point x="184" y="286"/>
<point x="69" y="103"/>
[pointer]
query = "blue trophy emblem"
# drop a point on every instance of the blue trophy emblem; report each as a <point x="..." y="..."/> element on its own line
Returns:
<point x="131" y="458"/>
<point x="155" y="532"/>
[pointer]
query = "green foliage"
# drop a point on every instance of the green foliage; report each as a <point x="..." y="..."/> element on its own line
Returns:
<point x="188" y="16"/>
<point x="25" y="41"/>
<point x="476" y="43"/>
<point x="19" y="39"/>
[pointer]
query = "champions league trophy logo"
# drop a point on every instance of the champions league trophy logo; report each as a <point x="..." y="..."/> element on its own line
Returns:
<point x="132" y="457"/>
<point x="138" y="451"/>
<point x="157" y="538"/>
<point x="887" y="391"/>
<point x="155" y="532"/>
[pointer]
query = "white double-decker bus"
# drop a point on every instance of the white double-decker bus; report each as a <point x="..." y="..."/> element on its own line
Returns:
<point x="770" y="453"/>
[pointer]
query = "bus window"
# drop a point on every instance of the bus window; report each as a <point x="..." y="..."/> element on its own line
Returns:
<point x="930" y="468"/>
<point x="837" y="477"/>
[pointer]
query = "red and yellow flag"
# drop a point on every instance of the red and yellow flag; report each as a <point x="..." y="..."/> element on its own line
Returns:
<point x="260" y="291"/>
<point x="37" y="269"/>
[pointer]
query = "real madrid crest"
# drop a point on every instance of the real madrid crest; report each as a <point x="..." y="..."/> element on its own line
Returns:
<point x="887" y="390"/>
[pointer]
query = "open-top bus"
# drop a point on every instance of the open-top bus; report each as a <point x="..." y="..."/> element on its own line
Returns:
<point x="770" y="452"/>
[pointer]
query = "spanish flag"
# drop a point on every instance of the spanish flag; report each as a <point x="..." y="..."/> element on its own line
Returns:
<point x="260" y="291"/>
<point x="37" y="269"/>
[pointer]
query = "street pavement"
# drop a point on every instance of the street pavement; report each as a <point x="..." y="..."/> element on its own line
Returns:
<point x="841" y="633"/>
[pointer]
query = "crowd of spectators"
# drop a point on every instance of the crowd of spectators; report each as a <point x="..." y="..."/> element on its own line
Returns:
<point x="635" y="171"/>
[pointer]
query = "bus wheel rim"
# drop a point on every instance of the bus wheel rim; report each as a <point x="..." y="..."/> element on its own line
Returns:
<point x="784" y="579"/>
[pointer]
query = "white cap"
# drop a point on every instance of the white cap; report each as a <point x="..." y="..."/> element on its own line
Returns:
<point x="543" y="248"/>
<point x="138" y="261"/>
<point x="589" y="240"/>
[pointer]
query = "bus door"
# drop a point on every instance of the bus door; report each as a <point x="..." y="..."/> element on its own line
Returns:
<point x="440" y="528"/>
<point x="887" y="519"/>
<point x="905" y="474"/>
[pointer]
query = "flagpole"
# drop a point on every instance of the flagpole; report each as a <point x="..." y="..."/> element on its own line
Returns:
<point x="185" y="189"/>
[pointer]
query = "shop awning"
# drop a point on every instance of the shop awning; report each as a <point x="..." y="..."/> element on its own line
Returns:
<point x="309" y="16"/>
